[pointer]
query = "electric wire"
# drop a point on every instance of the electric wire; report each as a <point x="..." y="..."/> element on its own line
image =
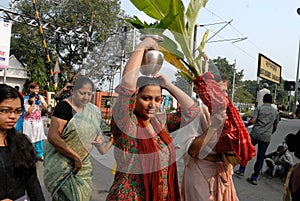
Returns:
<point x="242" y="35"/>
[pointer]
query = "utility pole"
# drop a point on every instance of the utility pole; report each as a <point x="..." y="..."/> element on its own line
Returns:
<point x="88" y="39"/>
<point x="297" y="79"/>
<point x="233" y="82"/>
<point x="123" y="44"/>
<point x="194" y="54"/>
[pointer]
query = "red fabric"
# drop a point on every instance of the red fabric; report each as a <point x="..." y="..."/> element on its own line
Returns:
<point x="150" y="162"/>
<point x="234" y="136"/>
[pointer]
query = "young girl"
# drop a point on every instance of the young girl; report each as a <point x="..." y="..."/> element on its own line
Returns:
<point x="18" y="176"/>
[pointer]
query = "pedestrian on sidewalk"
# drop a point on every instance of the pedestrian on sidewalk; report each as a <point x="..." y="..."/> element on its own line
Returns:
<point x="265" y="119"/>
<point x="18" y="175"/>
<point x="292" y="182"/>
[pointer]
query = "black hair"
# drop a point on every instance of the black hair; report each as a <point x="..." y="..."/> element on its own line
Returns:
<point x="267" y="98"/>
<point x="21" y="150"/>
<point x="292" y="140"/>
<point x="144" y="81"/>
<point x="82" y="80"/>
<point x="8" y="92"/>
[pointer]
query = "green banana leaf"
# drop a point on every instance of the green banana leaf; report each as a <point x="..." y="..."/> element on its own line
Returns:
<point x="157" y="9"/>
<point x="192" y="12"/>
<point x="170" y="15"/>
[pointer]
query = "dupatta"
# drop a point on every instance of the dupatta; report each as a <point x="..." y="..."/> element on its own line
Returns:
<point x="151" y="163"/>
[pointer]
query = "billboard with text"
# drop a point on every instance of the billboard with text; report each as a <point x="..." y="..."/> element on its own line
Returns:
<point x="268" y="69"/>
<point x="5" y="32"/>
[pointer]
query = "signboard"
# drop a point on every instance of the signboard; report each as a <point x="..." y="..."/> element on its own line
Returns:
<point x="5" y="32"/>
<point x="268" y="69"/>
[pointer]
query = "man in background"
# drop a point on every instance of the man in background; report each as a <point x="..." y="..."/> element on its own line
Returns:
<point x="265" y="119"/>
<point x="65" y="92"/>
<point x="261" y="93"/>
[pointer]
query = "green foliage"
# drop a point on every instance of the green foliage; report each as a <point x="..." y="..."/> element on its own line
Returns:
<point x="250" y="86"/>
<point x="182" y="83"/>
<point x="103" y="15"/>
<point x="38" y="74"/>
<point x="181" y="25"/>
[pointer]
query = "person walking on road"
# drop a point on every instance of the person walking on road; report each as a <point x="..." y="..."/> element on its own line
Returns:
<point x="75" y="127"/>
<point x="208" y="169"/>
<point x="144" y="150"/>
<point x="265" y="119"/>
<point x="260" y="94"/>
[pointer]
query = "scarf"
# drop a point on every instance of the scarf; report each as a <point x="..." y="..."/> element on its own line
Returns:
<point x="150" y="161"/>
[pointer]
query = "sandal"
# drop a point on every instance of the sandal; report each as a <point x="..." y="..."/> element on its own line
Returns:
<point x="252" y="181"/>
<point x="239" y="173"/>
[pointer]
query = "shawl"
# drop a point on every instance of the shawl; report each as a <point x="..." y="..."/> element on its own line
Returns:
<point x="150" y="161"/>
<point x="234" y="136"/>
<point x="58" y="169"/>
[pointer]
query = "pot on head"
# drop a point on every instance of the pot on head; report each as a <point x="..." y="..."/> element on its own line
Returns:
<point x="152" y="62"/>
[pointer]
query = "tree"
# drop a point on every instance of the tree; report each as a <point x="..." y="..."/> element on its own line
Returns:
<point x="182" y="83"/>
<point x="38" y="75"/>
<point x="106" y="59"/>
<point x="87" y="17"/>
<point x="250" y="86"/>
<point x="221" y="67"/>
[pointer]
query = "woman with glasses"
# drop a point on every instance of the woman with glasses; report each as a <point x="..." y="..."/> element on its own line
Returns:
<point x="18" y="176"/>
<point x="74" y="126"/>
<point x="33" y="125"/>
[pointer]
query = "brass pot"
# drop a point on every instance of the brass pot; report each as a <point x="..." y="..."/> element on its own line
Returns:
<point x="152" y="62"/>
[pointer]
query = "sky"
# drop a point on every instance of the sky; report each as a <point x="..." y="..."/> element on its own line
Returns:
<point x="272" y="28"/>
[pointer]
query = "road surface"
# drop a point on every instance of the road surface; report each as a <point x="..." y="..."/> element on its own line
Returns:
<point x="268" y="189"/>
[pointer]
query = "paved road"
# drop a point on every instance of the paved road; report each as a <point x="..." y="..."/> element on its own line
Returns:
<point x="268" y="189"/>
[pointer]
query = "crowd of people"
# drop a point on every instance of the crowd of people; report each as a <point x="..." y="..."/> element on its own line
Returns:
<point x="216" y="140"/>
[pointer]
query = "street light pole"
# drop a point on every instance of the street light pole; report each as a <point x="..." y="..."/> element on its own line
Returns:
<point x="233" y="82"/>
<point x="297" y="79"/>
<point x="297" y="75"/>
